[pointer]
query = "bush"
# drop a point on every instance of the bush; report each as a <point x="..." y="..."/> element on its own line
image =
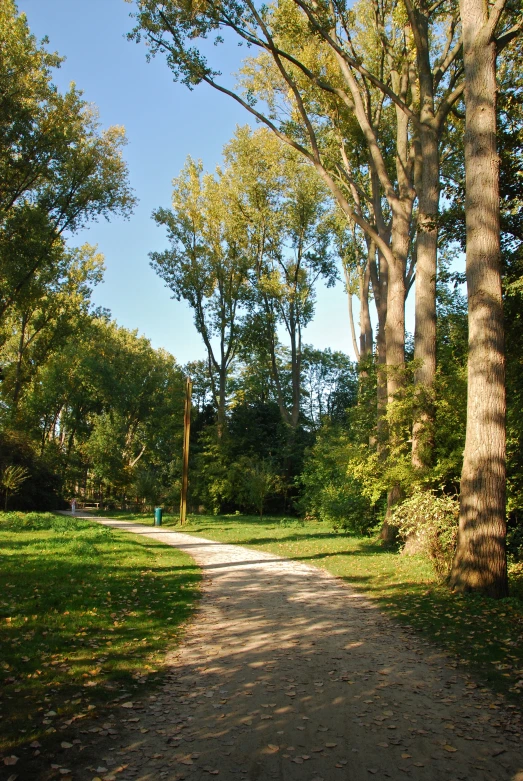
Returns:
<point x="330" y="493"/>
<point x="433" y="520"/>
<point x="24" y="522"/>
<point x="42" y="490"/>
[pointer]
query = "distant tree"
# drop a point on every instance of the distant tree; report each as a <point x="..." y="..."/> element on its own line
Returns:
<point x="11" y="480"/>
<point x="207" y="266"/>
<point x="288" y="216"/>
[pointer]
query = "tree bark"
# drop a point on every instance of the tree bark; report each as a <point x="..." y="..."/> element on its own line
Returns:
<point x="357" y="354"/>
<point x="480" y="560"/>
<point x="366" y="337"/>
<point x="425" y="304"/>
<point x="428" y="188"/>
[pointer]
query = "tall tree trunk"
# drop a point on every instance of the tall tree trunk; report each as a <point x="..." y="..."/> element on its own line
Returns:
<point x="425" y="306"/>
<point x="222" y="384"/>
<point x="480" y="560"/>
<point x="395" y="340"/>
<point x="295" y="335"/>
<point x="427" y="185"/>
<point x="366" y="337"/>
<point x="355" y="347"/>
<point x="380" y="282"/>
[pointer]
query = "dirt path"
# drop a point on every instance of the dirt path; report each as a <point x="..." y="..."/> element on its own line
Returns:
<point x="287" y="673"/>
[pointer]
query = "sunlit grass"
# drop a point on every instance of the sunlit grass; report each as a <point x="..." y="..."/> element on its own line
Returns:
<point x="86" y="614"/>
<point x="484" y="635"/>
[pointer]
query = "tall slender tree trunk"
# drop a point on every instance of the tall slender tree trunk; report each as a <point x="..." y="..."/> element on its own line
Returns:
<point x="379" y="287"/>
<point x="425" y="305"/>
<point x="395" y="339"/>
<point x="480" y="560"/>
<point x="366" y="337"/>
<point x="222" y="390"/>
<point x="427" y="185"/>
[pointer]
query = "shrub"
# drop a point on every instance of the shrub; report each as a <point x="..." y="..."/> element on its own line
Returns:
<point x="330" y="493"/>
<point x="20" y="521"/>
<point x="433" y="520"/>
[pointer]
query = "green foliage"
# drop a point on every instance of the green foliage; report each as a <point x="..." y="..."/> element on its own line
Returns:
<point x="59" y="170"/>
<point x="254" y="479"/>
<point x="331" y="492"/>
<point x="11" y="480"/>
<point x="43" y="488"/>
<point x="432" y="522"/>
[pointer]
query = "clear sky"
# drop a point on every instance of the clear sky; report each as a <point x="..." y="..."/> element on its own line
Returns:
<point x="165" y="122"/>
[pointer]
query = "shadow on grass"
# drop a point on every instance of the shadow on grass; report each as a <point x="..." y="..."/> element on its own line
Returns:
<point x="85" y="616"/>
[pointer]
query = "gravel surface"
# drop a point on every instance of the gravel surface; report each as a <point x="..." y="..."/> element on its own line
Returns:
<point x="285" y="672"/>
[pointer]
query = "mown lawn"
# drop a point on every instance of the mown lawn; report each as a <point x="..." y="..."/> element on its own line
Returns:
<point x="484" y="635"/>
<point x="86" y="614"/>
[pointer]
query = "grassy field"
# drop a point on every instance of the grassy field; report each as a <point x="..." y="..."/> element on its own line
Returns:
<point x="86" y="614"/>
<point x="484" y="635"/>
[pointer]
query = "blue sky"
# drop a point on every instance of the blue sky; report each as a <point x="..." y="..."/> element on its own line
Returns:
<point x="165" y="122"/>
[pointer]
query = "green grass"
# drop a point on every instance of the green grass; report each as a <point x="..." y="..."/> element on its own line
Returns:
<point x="86" y="614"/>
<point x="484" y="635"/>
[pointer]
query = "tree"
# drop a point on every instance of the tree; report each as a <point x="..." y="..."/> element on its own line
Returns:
<point x="12" y="479"/>
<point x="58" y="169"/>
<point x="50" y="311"/>
<point x="256" y="480"/>
<point x="288" y="220"/>
<point x="324" y="70"/>
<point x="207" y="266"/>
<point x="480" y="561"/>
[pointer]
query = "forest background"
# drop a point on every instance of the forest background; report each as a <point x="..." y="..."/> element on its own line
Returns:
<point x="356" y="176"/>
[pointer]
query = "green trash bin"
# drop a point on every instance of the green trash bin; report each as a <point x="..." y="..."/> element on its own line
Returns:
<point x="158" y="514"/>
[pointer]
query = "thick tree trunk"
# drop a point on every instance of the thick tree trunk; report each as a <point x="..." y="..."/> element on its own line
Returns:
<point x="480" y="560"/>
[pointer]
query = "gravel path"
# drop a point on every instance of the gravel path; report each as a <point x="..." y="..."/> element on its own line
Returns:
<point x="287" y="673"/>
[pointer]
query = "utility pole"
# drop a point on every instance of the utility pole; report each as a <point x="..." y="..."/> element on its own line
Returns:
<point x="186" y="434"/>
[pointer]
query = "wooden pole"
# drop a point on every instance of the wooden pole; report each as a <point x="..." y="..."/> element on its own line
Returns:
<point x="186" y="434"/>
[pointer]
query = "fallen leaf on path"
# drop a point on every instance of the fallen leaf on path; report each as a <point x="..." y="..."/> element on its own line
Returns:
<point x="450" y="748"/>
<point x="12" y="760"/>
<point x="64" y="744"/>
